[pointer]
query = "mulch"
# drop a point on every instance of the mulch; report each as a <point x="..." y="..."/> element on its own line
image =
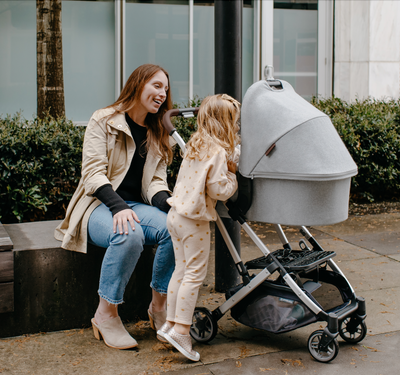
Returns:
<point x="360" y="209"/>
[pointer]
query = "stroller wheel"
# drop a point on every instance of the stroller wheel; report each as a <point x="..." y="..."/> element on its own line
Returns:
<point x="204" y="326"/>
<point x="352" y="330"/>
<point x="316" y="353"/>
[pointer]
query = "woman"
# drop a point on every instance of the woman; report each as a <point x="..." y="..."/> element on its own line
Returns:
<point x="120" y="202"/>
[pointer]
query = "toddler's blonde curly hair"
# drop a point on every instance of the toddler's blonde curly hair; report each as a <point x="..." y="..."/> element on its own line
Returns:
<point x="217" y="124"/>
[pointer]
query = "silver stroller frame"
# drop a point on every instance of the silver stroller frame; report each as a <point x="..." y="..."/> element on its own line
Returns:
<point x="347" y="320"/>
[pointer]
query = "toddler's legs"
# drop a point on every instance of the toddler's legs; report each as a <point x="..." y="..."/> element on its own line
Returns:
<point x="196" y="248"/>
<point x="179" y="270"/>
<point x="191" y="240"/>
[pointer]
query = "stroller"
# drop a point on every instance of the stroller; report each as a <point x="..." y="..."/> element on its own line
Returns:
<point x="298" y="175"/>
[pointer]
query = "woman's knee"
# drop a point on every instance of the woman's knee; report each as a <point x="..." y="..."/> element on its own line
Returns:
<point x="134" y="238"/>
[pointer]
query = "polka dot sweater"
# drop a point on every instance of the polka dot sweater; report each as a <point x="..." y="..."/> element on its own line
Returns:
<point x="201" y="183"/>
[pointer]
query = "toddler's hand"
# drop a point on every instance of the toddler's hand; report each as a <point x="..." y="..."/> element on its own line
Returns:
<point x="232" y="166"/>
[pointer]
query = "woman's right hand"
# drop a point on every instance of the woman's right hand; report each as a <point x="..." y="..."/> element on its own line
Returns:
<point x="121" y="219"/>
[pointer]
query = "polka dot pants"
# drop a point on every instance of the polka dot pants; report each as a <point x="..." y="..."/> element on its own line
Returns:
<point x="191" y="239"/>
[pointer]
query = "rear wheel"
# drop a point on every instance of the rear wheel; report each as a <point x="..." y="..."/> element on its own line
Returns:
<point x="321" y="355"/>
<point x="352" y="330"/>
<point x="204" y="326"/>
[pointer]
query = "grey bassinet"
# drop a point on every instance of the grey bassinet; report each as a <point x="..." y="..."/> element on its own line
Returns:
<point x="301" y="169"/>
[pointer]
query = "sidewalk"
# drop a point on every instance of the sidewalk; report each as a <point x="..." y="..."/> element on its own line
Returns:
<point x="368" y="253"/>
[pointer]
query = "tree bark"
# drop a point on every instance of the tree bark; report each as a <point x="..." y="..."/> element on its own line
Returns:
<point x="50" y="79"/>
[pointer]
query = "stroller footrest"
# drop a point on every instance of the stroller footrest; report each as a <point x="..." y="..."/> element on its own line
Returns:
<point x="293" y="260"/>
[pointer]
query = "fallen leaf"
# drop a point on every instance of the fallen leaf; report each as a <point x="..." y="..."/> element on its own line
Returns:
<point x="371" y="348"/>
<point x="243" y="352"/>
<point x="238" y="364"/>
<point x="293" y="362"/>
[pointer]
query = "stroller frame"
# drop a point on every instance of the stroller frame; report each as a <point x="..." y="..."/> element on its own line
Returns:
<point x="346" y="320"/>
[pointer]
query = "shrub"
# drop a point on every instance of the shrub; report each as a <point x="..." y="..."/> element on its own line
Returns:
<point x="185" y="127"/>
<point x="370" y="129"/>
<point x="40" y="163"/>
<point x="40" y="160"/>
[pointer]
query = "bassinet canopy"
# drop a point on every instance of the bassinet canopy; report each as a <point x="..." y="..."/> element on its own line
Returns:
<point x="300" y="167"/>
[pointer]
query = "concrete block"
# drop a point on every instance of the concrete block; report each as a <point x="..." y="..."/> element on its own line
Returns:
<point x="56" y="289"/>
<point x="6" y="298"/>
<point x="5" y="242"/>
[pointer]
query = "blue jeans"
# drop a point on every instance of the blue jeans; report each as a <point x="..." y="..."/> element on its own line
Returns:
<point x="123" y="250"/>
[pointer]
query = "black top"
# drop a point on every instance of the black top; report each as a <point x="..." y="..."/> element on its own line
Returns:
<point x="130" y="188"/>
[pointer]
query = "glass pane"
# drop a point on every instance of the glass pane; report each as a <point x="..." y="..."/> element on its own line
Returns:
<point x="295" y="45"/>
<point x="159" y="34"/>
<point x="89" y="56"/>
<point x="247" y="48"/>
<point x="18" y="57"/>
<point x="203" y="51"/>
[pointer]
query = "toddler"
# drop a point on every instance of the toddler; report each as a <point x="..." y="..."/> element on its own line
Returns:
<point x="207" y="174"/>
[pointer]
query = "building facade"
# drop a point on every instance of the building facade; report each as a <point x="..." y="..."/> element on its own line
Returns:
<point x="321" y="47"/>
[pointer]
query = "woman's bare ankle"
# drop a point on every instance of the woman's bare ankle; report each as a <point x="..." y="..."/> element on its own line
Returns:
<point x="158" y="302"/>
<point x="105" y="311"/>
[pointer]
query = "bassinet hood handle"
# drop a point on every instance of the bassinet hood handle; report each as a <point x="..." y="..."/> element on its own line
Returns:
<point x="269" y="77"/>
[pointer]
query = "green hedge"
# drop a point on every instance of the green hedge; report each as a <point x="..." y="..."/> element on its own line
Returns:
<point x="370" y="129"/>
<point x="40" y="160"/>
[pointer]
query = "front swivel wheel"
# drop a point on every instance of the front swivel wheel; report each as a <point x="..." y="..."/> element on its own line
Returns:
<point x="352" y="330"/>
<point x="204" y="325"/>
<point x="322" y="355"/>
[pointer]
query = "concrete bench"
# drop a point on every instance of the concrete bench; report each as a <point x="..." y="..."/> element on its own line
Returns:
<point x="46" y="288"/>
<point x="6" y="272"/>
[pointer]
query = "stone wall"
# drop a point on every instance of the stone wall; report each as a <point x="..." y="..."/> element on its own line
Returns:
<point x="367" y="53"/>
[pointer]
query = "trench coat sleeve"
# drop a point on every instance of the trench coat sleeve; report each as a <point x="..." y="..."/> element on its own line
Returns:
<point x="159" y="181"/>
<point x="95" y="158"/>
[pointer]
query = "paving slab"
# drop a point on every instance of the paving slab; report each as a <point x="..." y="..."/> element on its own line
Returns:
<point x="238" y="349"/>
<point x="379" y="233"/>
<point x="377" y="355"/>
<point x="388" y="222"/>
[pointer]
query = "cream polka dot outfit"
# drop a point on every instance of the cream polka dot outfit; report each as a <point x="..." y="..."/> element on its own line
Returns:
<point x="200" y="184"/>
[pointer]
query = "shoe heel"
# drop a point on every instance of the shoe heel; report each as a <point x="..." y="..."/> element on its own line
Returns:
<point x="96" y="332"/>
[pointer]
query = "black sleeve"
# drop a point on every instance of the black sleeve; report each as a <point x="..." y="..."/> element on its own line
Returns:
<point x="160" y="201"/>
<point x="110" y="198"/>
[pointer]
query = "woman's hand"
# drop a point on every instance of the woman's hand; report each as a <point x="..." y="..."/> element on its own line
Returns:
<point x="121" y="219"/>
<point x="232" y="166"/>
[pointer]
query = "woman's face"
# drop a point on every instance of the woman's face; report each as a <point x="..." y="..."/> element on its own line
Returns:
<point x="154" y="92"/>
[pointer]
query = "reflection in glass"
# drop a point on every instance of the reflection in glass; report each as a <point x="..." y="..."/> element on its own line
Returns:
<point x="295" y="45"/>
<point x="18" y="57"/>
<point x="203" y="51"/>
<point x="159" y="34"/>
<point x="89" y="56"/>
<point x="247" y="48"/>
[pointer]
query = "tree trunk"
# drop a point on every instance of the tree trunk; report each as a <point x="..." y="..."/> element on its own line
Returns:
<point x="50" y="80"/>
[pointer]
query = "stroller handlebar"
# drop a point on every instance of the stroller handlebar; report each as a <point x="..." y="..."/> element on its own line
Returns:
<point x="185" y="112"/>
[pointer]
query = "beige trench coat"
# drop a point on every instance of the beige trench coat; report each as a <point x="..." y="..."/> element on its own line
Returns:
<point x="108" y="149"/>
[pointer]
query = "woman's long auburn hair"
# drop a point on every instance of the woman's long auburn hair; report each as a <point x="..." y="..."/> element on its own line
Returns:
<point x="217" y="124"/>
<point x="157" y="135"/>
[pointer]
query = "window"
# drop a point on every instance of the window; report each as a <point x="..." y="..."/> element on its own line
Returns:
<point x="296" y="44"/>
